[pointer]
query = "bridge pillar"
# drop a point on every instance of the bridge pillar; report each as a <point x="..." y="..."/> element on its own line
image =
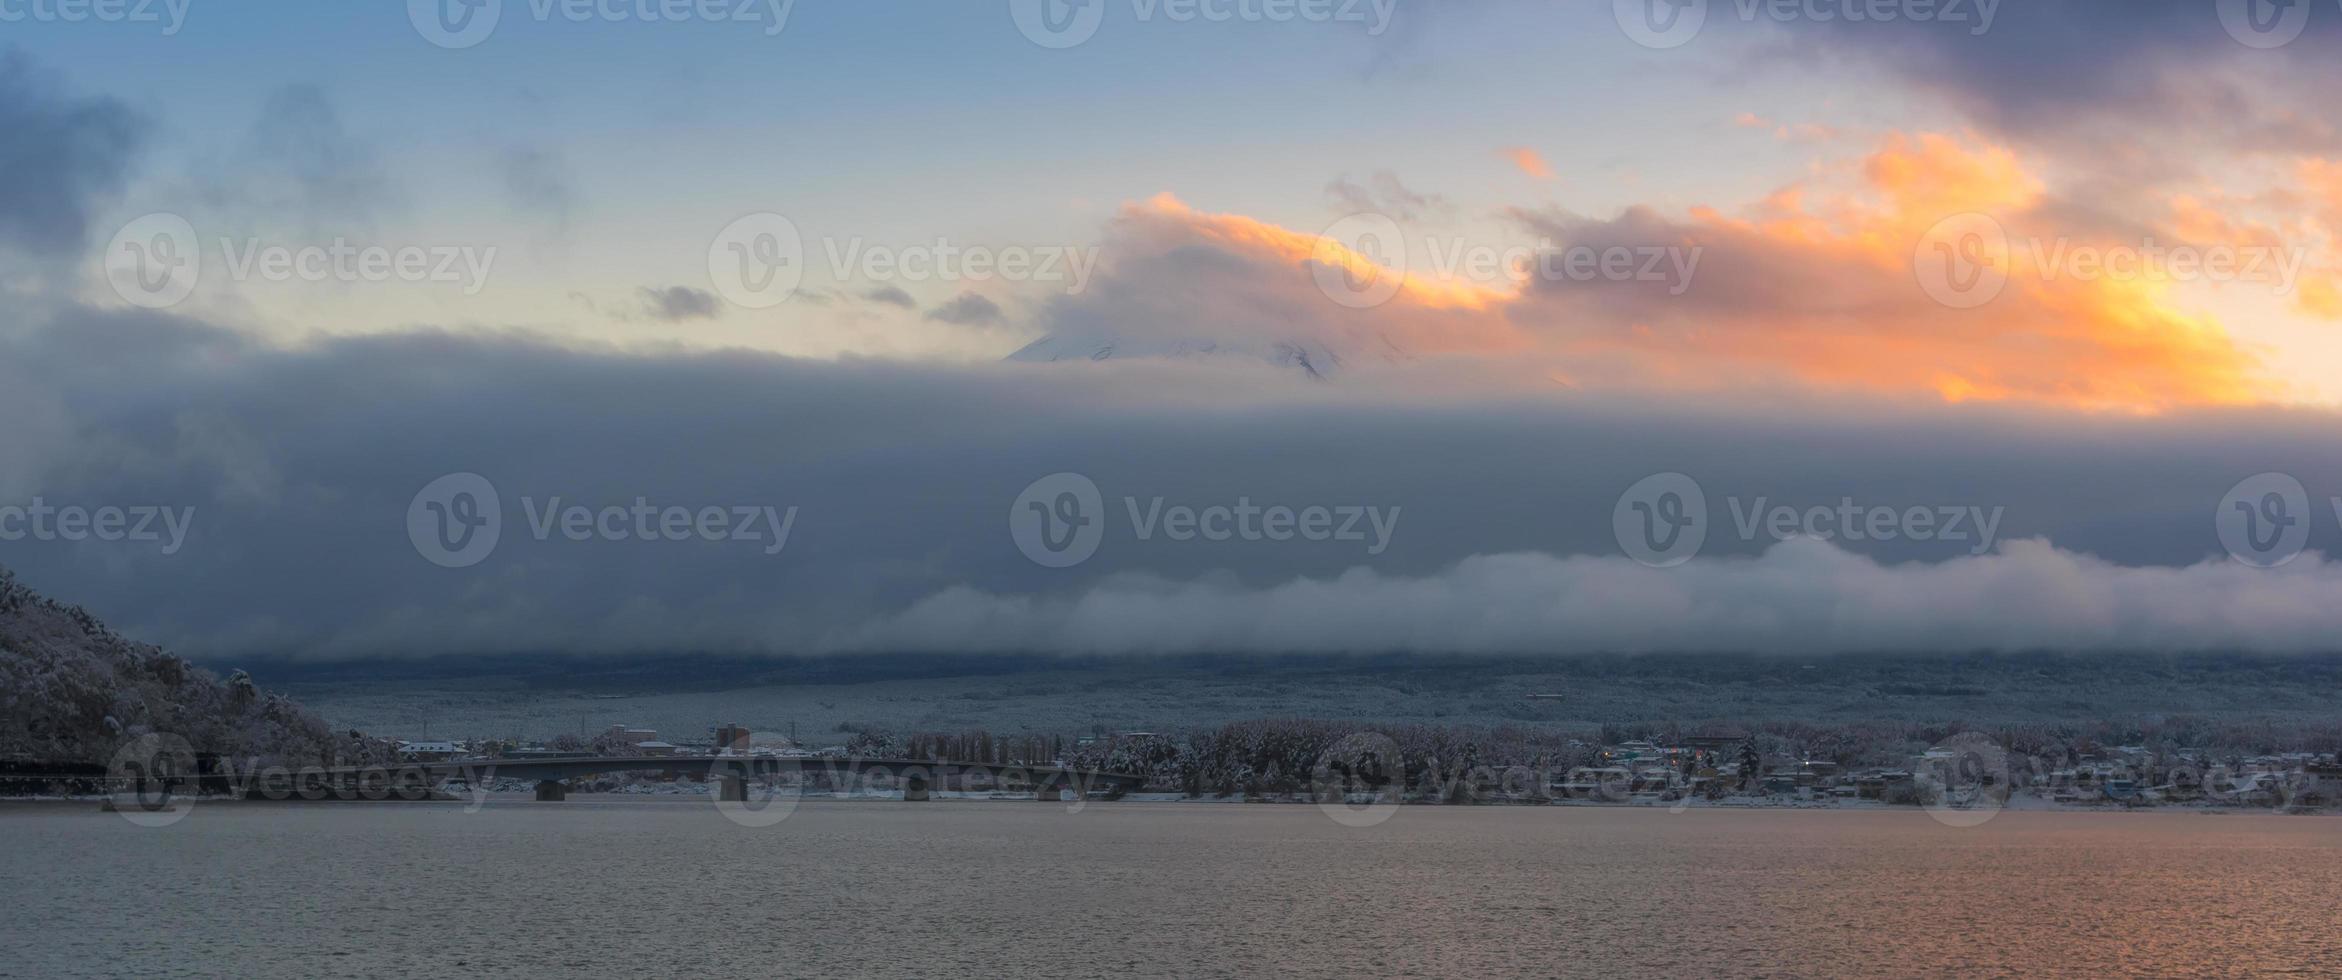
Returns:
<point x="732" y="788"/>
<point x="551" y="791"/>
<point x="915" y="789"/>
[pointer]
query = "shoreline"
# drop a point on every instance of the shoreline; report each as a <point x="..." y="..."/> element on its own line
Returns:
<point x="1158" y="799"/>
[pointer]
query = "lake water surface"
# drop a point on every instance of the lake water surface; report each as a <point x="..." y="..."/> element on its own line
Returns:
<point x="671" y="888"/>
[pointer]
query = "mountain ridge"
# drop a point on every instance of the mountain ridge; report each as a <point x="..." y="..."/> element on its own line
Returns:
<point x="74" y="691"/>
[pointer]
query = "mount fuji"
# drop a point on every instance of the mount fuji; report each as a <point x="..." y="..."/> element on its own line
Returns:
<point x="1313" y="359"/>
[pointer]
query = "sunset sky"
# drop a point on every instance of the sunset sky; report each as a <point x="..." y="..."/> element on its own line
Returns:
<point x="1807" y="158"/>
<point x="2149" y="194"/>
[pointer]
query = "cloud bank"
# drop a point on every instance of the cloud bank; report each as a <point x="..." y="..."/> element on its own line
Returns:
<point x="61" y="157"/>
<point x="302" y="464"/>
<point x="1801" y="596"/>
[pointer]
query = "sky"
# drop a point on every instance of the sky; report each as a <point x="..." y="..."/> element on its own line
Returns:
<point x="1150" y="325"/>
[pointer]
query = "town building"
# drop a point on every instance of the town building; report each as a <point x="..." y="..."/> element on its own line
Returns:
<point x="732" y="738"/>
<point x="632" y="736"/>
<point x="428" y="751"/>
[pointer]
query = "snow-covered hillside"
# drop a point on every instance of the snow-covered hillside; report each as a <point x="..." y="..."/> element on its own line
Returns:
<point x="72" y="691"/>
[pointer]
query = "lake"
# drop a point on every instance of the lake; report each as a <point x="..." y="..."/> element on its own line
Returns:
<point x="668" y="887"/>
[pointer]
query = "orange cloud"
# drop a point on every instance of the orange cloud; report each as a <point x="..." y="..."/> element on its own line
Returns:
<point x="2320" y="297"/>
<point x="1818" y="286"/>
<point x="1799" y="133"/>
<point x="2321" y="290"/>
<point x="2323" y="178"/>
<point x="1529" y="161"/>
<point x="1173" y="278"/>
<point x="1829" y="295"/>
<point x="1932" y="176"/>
<point x="1286" y="247"/>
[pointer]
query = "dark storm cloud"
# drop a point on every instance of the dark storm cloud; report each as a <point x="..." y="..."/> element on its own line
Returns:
<point x="301" y="464"/>
<point x="967" y="310"/>
<point x="300" y="170"/>
<point x="2080" y="71"/>
<point x="676" y="303"/>
<point x="1384" y="193"/>
<point x="538" y="183"/>
<point x="891" y="296"/>
<point x="61" y="156"/>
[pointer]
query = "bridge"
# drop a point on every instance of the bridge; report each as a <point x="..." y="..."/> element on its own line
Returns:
<point x="418" y="780"/>
<point x="732" y="772"/>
